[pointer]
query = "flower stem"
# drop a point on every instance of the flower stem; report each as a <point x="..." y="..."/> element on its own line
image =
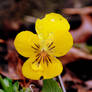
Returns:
<point x="61" y="83"/>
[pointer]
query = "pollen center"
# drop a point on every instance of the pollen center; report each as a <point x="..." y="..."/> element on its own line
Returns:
<point x="43" y="53"/>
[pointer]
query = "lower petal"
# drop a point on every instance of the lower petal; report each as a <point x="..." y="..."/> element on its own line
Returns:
<point x="46" y="70"/>
<point x="52" y="69"/>
<point x="31" y="70"/>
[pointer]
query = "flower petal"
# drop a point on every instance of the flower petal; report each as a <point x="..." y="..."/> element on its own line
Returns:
<point x="51" y="23"/>
<point x="43" y="70"/>
<point x="25" y="43"/>
<point x="62" y="43"/>
<point x="32" y="71"/>
<point x="52" y="69"/>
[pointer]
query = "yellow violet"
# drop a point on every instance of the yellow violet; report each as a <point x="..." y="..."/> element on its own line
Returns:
<point x="52" y="40"/>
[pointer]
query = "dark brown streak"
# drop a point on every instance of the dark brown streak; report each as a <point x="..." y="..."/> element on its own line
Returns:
<point x="35" y="48"/>
<point x="43" y="59"/>
<point x="39" y="60"/>
<point x="52" y="48"/>
<point x="36" y="51"/>
<point x="38" y="55"/>
<point x="46" y="61"/>
<point x="38" y="46"/>
<point x="50" y="45"/>
<point x="49" y="59"/>
<point x="36" y="59"/>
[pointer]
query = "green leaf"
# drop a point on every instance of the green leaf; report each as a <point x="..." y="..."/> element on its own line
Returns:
<point x="8" y="86"/>
<point x="9" y="89"/>
<point x="25" y="90"/>
<point x="51" y="85"/>
<point x="3" y="83"/>
<point x="8" y="82"/>
<point x="1" y="90"/>
<point x="21" y="90"/>
<point x="16" y="87"/>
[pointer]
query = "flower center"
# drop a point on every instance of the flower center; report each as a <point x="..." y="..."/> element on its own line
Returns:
<point x="42" y="55"/>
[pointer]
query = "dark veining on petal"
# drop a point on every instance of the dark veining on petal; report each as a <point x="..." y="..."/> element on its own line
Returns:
<point x="50" y="44"/>
<point x="52" y="48"/>
<point x="39" y="60"/>
<point x="36" y="59"/>
<point x="43" y="59"/>
<point x="35" y="48"/>
<point x="38" y="55"/>
<point x="35" y="51"/>
<point x="37" y="45"/>
<point x="46" y="61"/>
<point x="49" y="58"/>
<point x="42" y="54"/>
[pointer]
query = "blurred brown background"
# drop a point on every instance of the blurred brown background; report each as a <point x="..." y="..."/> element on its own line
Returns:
<point x="19" y="15"/>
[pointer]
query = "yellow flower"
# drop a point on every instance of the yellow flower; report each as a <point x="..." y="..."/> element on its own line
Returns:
<point x="52" y="40"/>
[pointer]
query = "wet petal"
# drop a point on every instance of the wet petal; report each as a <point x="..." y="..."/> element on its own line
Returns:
<point x="26" y="43"/>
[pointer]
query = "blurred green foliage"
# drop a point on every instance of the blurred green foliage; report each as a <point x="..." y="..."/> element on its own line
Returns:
<point x="8" y="86"/>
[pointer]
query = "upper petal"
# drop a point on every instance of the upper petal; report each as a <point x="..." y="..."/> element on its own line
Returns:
<point x="25" y="43"/>
<point x="62" y="43"/>
<point x="51" y="23"/>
